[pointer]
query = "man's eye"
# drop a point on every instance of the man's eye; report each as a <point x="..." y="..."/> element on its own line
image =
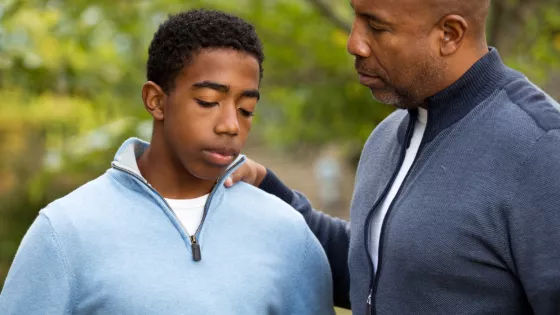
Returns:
<point x="246" y="113"/>
<point x="376" y="29"/>
<point x="206" y="104"/>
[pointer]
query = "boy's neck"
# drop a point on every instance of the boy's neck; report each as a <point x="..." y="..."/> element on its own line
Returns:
<point x="168" y="176"/>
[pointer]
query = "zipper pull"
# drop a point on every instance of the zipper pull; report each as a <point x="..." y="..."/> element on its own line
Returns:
<point x="195" y="249"/>
<point x="368" y="304"/>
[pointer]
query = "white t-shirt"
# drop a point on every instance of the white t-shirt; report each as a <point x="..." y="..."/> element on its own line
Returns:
<point x="379" y="215"/>
<point x="189" y="211"/>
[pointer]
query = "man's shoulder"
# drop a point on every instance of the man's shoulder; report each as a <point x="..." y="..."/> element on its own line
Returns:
<point x="539" y="108"/>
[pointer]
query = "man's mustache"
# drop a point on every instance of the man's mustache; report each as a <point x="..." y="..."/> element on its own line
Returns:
<point x="362" y="68"/>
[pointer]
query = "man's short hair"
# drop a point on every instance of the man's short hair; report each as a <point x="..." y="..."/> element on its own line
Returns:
<point x="182" y="35"/>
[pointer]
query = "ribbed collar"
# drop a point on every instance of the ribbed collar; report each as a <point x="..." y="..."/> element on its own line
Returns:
<point x="456" y="101"/>
<point x="131" y="150"/>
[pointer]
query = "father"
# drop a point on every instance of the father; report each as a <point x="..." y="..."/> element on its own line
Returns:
<point x="456" y="208"/>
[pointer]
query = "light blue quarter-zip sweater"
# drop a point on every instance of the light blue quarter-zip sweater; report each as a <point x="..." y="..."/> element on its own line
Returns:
<point x="113" y="246"/>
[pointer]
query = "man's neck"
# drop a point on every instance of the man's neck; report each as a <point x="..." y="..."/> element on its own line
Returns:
<point x="167" y="175"/>
<point x="457" y="66"/>
<point x="460" y="63"/>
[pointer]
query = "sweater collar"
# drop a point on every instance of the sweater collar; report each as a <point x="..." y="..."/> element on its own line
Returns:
<point x="131" y="150"/>
<point x="456" y="101"/>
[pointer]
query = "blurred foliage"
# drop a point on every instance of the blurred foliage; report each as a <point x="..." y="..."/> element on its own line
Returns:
<point x="528" y="36"/>
<point x="70" y="80"/>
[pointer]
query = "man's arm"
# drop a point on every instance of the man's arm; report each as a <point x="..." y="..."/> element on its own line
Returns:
<point x="38" y="281"/>
<point x="534" y="225"/>
<point x="332" y="233"/>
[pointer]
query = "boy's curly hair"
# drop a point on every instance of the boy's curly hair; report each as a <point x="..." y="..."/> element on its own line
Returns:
<point x="183" y="35"/>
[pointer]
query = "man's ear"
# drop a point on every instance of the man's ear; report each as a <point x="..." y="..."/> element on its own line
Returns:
<point x="154" y="99"/>
<point x="453" y="29"/>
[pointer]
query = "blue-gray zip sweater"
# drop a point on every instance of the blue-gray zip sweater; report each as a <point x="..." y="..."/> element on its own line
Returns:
<point x="475" y="226"/>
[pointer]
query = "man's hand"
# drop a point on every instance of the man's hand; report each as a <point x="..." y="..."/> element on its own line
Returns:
<point x="250" y="172"/>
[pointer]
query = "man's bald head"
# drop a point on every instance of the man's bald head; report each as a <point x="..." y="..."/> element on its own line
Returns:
<point x="427" y="13"/>
<point x="474" y="12"/>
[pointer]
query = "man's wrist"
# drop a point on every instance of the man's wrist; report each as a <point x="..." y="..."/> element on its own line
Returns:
<point x="273" y="185"/>
<point x="261" y="174"/>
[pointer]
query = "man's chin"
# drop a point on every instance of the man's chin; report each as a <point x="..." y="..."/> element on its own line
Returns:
<point x="392" y="99"/>
<point x="385" y="97"/>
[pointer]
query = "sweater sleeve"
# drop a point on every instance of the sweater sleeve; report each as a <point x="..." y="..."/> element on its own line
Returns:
<point x="534" y="225"/>
<point x="38" y="281"/>
<point x="311" y="283"/>
<point x="333" y="234"/>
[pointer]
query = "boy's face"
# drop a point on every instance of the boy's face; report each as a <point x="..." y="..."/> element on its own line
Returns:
<point x="207" y="116"/>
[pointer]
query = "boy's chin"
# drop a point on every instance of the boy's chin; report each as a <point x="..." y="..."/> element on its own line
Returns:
<point x="209" y="172"/>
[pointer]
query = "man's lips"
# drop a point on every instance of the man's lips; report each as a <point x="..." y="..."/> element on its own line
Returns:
<point x="221" y="156"/>
<point x="371" y="81"/>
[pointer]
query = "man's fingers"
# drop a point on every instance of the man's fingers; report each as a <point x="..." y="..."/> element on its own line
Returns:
<point x="246" y="173"/>
<point x="229" y="182"/>
<point x="233" y="179"/>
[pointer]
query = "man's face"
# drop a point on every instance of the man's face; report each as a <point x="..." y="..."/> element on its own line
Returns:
<point x="208" y="114"/>
<point x="397" y="55"/>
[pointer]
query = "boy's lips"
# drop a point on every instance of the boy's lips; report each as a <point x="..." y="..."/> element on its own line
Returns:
<point x="221" y="156"/>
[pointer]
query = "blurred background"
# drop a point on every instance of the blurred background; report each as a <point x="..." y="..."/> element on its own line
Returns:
<point x="71" y="74"/>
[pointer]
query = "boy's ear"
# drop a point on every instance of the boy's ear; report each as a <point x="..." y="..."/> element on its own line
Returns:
<point x="154" y="99"/>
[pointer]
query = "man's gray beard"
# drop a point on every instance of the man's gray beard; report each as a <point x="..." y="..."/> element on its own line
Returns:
<point x="429" y="71"/>
<point x="399" y="100"/>
<point x="390" y="98"/>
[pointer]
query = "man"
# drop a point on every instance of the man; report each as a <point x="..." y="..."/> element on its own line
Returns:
<point x="158" y="233"/>
<point x="456" y="208"/>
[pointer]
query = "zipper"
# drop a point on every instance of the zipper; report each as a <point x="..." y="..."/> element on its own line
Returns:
<point x="383" y="226"/>
<point x="374" y="276"/>
<point x="195" y="245"/>
<point x="368" y="304"/>
<point x="196" y="254"/>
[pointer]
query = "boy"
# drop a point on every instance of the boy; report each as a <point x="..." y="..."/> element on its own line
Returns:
<point x="158" y="233"/>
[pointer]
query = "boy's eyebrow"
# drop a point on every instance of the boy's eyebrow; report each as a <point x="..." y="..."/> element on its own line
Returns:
<point x="211" y="85"/>
<point x="252" y="93"/>
<point x="224" y="88"/>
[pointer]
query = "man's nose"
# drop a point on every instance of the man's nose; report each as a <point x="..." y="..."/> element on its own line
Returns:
<point x="357" y="44"/>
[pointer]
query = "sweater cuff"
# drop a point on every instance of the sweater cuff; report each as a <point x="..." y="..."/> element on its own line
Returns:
<point x="273" y="185"/>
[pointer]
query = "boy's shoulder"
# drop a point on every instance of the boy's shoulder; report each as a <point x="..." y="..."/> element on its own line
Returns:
<point x="85" y="202"/>
<point x="264" y="207"/>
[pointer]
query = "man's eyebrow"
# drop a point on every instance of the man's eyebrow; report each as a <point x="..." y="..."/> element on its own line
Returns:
<point x="374" y="18"/>
<point x="211" y="85"/>
<point x="370" y="16"/>
<point x="252" y="93"/>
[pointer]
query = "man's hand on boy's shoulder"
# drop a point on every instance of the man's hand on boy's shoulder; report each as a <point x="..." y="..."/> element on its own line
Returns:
<point x="250" y="172"/>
